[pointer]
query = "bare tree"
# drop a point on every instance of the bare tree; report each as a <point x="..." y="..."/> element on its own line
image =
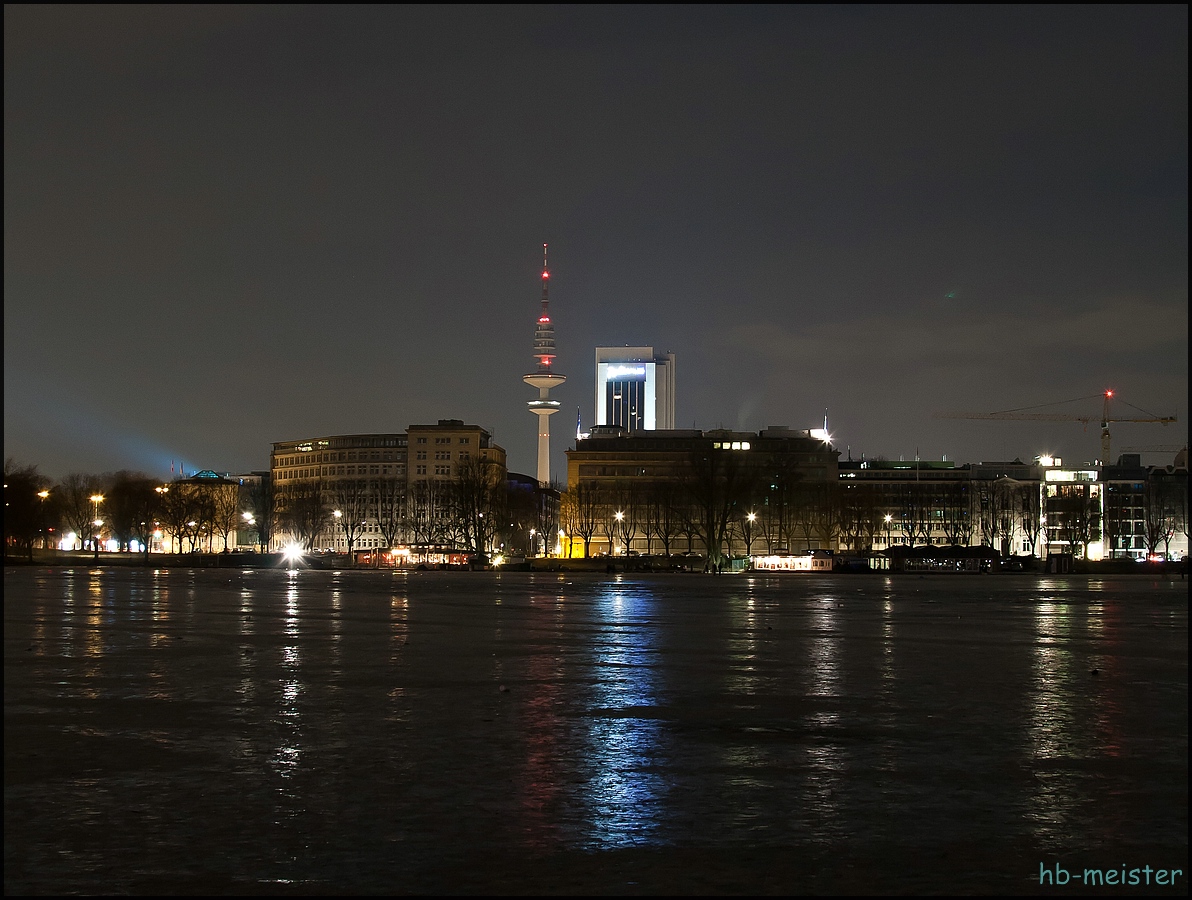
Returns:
<point x="1031" y="515"/>
<point x="224" y="502"/>
<point x="1159" y="513"/>
<point x="303" y="511"/>
<point x="429" y="506"/>
<point x="718" y="482"/>
<point x="78" y="510"/>
<point x="480" y="498"/>
<point x="24" y="507"/>
<point x="955" y="506"/>
<point x="569" y="517"/>
<point x="351" y="501"/>
<point x="131" y="504"/>
<point x="827" y="512"/>
<point x="664" y="518"/>
<point x="180" y="513"/>
<point x="588" y="507"/>
<point x="389" y="508"/>
<point x="257" y="500"/>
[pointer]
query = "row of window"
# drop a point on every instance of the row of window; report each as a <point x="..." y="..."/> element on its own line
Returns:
<point x="340" y="456"/>
<point x="333" y="471"/>
<point x="443" y="440"/>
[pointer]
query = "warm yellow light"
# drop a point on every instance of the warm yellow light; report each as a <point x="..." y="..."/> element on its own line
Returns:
<point x="43" y="494"/>
<point x="97" y="498"/>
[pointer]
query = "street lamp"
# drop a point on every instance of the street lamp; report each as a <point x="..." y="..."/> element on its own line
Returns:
<point x="749" y="520"/>
<point x="889" y="519"/>
<point x="618" y="529"/>
<point x="162" y="490"/>
<point x="41" y="516"/>
<point x="96" y="499"/>
<point x="533" y="545"/>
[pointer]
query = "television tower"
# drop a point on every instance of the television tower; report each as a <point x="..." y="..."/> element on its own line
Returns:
<point x="544" y="378"/>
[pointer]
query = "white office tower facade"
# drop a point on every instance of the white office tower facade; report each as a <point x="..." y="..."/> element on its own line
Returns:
<point x="635" y="388"/>
<point x="544" y="378"/>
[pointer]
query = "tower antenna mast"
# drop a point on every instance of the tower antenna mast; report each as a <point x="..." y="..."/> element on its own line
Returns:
<point x="545" y="377"/>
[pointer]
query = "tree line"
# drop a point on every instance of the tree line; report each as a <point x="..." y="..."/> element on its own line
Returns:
<point x="474" y="511"/>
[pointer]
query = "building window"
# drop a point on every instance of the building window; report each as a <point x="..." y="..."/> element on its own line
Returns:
<point x="465" y="440"/>
<point x="442" y="470"/>
<point x="420" y="470"/>
<point x="421" y="454"/>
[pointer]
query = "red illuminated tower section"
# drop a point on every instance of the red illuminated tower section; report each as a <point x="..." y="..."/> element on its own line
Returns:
<point x="544" y="378"/>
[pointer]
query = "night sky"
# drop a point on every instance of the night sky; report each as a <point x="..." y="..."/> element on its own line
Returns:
<point x="230" y="226"/>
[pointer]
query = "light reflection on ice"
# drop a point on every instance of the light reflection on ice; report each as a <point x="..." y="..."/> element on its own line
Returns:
<point x="623" y="795"/>
<point x="288" y="752"/>
<point x="1053" y="730"/>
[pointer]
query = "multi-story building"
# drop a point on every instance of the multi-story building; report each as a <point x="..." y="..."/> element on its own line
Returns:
<point x="438" y="451"/>
<point x="635" y="388"/>
<point x="713" y="492"/>
<point x="376" y="492"/>
<point x="328" y="474"/>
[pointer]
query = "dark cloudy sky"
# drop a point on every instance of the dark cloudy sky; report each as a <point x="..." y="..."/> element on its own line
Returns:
<point x="229" y="226"/>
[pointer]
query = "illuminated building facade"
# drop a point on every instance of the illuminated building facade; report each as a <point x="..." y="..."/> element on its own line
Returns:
<point x="439" y="451"/>
<point x="635" y="388"/>
<point x="395" y="488"/>
<point x="646" y="492"/>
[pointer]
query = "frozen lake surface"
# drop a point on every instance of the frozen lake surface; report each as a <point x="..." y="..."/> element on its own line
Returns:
<point x="296" y="732"/>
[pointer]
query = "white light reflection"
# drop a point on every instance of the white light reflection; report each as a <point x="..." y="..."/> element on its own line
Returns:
<point x="1053" y="729"/>
<point x="248" y="657"/>
<point x="288" y="753"/>
<point x="825" y="762"/>
<point x="624" y="795"/>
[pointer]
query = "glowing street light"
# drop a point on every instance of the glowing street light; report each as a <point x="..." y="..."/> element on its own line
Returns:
<point x="619" y="515"/>
<point x="96" y="499"/>
<point x="41" y="518"/>
<point x="889" y="519"/>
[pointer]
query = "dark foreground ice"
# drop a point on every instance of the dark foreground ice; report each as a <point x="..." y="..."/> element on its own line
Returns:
<point x="281" y="732"/>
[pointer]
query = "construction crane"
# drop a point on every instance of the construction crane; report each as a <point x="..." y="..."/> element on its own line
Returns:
<point x="1019" y="415"/>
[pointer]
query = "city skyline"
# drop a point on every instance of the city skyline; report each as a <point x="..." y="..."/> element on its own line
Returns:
<point x="231" y="226"/>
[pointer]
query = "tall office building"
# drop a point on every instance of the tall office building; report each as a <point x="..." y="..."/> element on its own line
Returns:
<point x="544" y="378"/>
<point x="635" y="388"/>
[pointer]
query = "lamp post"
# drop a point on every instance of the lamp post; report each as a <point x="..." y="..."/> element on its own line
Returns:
<point x="41" y="516"/>
<point x="618" y="529"/>
<point x="162" y="490"/>
<point x="250" y="521"/>
<point x="889" y="519"/>
<point x="96" y="499"/>
<point x="533" y="543"/>
<point x="749" y="520"/>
